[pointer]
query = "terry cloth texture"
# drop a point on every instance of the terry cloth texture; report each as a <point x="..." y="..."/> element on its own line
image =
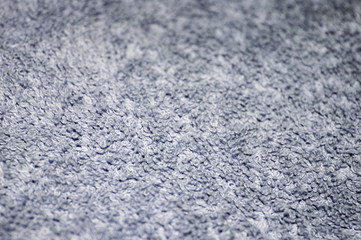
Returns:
<point x="180" y="119"/>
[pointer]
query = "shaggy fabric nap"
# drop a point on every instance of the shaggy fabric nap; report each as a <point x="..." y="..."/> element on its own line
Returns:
<point x="180" y="119"/>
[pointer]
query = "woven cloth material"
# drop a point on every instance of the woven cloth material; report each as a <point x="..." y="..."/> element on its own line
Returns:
<point x="180" y="119"/>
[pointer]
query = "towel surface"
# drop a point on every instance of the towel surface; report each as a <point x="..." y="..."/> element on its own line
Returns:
<point x="180" y="119"/>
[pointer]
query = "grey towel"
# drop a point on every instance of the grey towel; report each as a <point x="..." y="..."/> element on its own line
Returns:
<point x="180" y="119"/>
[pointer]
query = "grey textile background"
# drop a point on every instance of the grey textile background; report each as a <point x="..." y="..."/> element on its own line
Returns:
<point x="180" y="119"/>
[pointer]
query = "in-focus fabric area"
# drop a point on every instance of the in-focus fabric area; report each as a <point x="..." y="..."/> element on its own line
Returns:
<point x="180" y="119"/>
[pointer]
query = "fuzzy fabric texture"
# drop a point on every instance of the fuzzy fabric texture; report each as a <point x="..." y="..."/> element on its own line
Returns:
<point x="180" y="119"/>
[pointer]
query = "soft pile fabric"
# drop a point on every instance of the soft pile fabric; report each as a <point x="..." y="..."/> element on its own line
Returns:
<point x="180" y="119"/>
